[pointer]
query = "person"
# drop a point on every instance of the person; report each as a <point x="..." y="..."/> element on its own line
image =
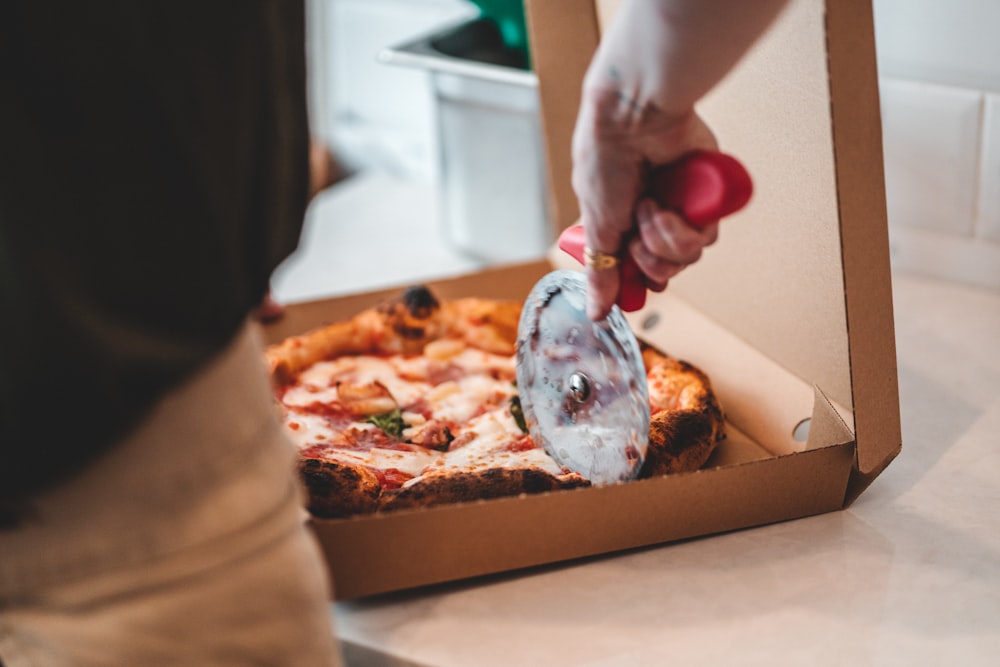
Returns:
<point x="154" y="173"/>
<point x="653" y="64"/>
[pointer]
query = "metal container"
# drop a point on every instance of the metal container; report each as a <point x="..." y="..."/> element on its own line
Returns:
<point x="492" y="171"/>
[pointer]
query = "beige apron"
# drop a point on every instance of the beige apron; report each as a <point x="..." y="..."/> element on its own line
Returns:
<point x="185" y="544"/>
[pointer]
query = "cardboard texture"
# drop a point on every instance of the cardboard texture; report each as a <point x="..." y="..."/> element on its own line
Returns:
<point x="789" y="314"/>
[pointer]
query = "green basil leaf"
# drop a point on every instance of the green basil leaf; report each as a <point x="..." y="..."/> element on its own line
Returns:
<point x="390" y="422"/>
<point x="518" y="413"/>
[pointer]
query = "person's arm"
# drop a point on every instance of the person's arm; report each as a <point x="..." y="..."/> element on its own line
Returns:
<point x="656" y="60"/>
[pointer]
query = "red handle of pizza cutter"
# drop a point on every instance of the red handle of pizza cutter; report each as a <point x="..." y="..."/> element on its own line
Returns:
<point x="702" y="187"/>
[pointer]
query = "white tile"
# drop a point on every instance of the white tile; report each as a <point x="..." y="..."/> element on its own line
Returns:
<point x="951" y="42"/>
<point x="968" y="261"/>
<point x="931" y="140"/>
<point x="988" y="222"/>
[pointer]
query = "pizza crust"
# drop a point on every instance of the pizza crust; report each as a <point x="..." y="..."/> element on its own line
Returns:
<point x="686" y="419"/>
<point x="403" y="325"/>
<point x="460" y="486"/>
<point x="336" y="490"/>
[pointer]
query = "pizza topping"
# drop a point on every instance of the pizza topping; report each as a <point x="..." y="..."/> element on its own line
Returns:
<point x="333" y="413"/>
<point x="412" y="460"/>
<point x="469" y="397"/>
<point x="303" y="396"/>
<point x="490" y="448"/>
<point x="413" y="413"/>
<point x="392" y="478"/>
<point x="368" y="438"/>
<point x="391" y="423"/>
<point x="518" y="413"/>
<point x="326" y="373"/>
<point x="439" y="373"/>
<point x="349" y="376"/>
<point x="407" y="368"/>
<point x="462" y="440"/>
<point x="522" y="444"/>
<point x="444" y="349"/>
<point x="435" y="434"/>
<point x="370" y="398"/>
<point x="419" y="407"/>
<point x="478" y="362"/>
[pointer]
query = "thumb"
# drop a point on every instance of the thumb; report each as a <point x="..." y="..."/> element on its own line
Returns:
<point x="603" y="248"/>
<point x="602" y="292"/>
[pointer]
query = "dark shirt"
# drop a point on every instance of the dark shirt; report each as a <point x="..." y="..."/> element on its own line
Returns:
<point x="153" y="173"/>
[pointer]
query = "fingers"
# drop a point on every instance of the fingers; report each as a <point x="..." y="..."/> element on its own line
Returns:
<point x="663" y="246"/>
<point x="666" y="243"/>
<point x="603" y="285"/>
<point x="604" y="249"/>
<point x="606" y="216"/>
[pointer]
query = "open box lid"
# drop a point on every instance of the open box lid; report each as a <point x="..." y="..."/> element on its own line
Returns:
<point x="802" y="274"/>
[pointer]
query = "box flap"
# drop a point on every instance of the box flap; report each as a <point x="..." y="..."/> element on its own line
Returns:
<point x="472" y="539"/>
<point x="802" y="274"/>
<point x="864" y="233"/>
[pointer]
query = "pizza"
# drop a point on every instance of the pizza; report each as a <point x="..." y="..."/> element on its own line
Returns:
<point x="414" y="403"/>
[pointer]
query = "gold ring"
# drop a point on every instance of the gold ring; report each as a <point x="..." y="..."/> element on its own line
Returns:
<point x="597" y="260"/>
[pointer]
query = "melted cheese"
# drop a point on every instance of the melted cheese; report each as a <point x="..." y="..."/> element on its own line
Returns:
<point x="410" y="462"/>
<point x="462" y="400"/>
<point x="461" y="388"/>
<point x="489" y="448"/>
<point x="475" y="405"/>
<point x="477" y="361"/>
<point x="319" y="382"/>
<point x="304" y="430"/>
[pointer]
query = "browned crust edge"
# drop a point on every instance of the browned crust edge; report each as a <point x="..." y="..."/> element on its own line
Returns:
<point x="404" y="324"/>
<point x="458" y="487"/>
<point x="338" y="490"/>
<point x="682" y="439"/>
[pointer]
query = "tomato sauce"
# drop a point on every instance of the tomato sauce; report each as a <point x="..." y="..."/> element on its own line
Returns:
<point x="391" y="478"/>
<point x="366" y="439"/>
<point x="335" y="414"/>
<point x="522" y="444"/>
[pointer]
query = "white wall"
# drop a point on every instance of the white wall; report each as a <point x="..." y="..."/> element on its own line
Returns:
<point x="376" y="115"/>
<point x="939" y="64"/>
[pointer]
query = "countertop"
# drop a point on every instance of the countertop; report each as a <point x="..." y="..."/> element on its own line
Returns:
<point x="908" y="574"/>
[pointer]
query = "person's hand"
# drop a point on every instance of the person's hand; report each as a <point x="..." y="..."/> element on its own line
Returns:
<point x="615" y="146"/>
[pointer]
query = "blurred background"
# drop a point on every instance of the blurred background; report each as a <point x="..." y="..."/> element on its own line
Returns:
<point x="431" y="110"/>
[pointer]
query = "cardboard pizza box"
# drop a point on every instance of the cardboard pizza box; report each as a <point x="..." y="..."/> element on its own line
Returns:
<point x="790" y="314"/>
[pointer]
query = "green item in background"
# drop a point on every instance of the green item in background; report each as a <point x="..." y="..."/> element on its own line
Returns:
<point x="509" y="17"/>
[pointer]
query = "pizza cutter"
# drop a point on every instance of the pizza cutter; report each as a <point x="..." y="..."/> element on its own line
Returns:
<point x="582" y="384"/>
